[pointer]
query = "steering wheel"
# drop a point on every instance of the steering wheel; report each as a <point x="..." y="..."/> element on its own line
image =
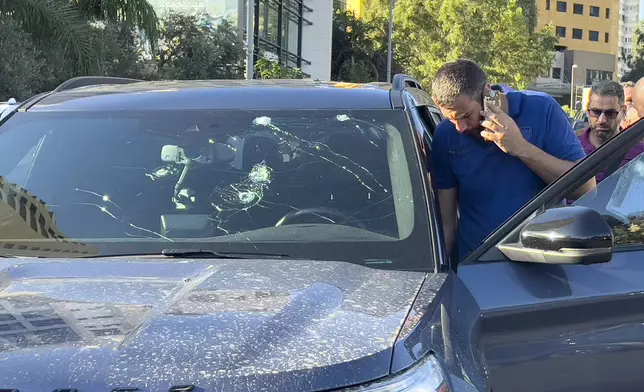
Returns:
<point x="325" y="214"/>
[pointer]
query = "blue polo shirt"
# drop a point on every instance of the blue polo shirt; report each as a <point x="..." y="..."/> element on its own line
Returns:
<point x="491" y="184"/>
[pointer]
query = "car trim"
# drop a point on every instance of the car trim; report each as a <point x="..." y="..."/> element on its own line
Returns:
<point x="439" y="258"/>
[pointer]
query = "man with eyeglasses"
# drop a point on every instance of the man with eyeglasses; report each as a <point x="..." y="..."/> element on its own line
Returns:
<point x="605" y="111"/>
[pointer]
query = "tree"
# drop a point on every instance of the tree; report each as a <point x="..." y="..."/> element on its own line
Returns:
<point x="635" y="62"/>
<point x="379" y="9"/>
<point x="194" y="48"/>
<point x="21" y="62"/>
<point x="63" y="25"/>
<point x="120" y="51"/>
<point x="359" y="48"/>
<point x="129" y="14"/>
<point x="117" y="50"/>
<point x="493" y="33"/>
<point x="54" y="23"/>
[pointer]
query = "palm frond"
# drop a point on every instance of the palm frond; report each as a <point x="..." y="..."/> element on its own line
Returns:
<point x="135" y="13"/>
<point x="55" y="22"/>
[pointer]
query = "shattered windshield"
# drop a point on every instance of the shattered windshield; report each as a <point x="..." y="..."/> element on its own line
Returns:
<point x="273" y="181"/>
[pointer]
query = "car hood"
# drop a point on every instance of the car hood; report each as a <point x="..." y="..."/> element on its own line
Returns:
<point x="221" y="325"/>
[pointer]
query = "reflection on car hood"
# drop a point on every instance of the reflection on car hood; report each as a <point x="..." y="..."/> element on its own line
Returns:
<point x="232" y="325"/>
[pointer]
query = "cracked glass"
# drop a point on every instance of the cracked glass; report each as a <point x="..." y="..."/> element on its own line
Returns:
<point x="319" y="184"/>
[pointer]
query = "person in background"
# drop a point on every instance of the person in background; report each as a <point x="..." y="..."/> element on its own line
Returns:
<point x="605" y="105"/>
<point x="638" y="97"/>
<point x="630" y="118"/>
<point x="630" y="115"/>
<point x="488" y="164"/>
<point x="628" y="93"/>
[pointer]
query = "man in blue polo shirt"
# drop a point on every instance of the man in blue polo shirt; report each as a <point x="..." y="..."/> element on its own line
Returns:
<point x="487" y="165"/>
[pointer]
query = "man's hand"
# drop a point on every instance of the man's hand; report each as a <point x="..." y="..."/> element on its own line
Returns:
<point x="503" y="131"/>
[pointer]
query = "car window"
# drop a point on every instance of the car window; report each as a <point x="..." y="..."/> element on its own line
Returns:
<point x="295" y="180"/>
<point x="437" y="117"/>
<point x="618" y="198"/>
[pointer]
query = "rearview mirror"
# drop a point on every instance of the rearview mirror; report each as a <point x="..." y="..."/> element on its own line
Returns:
<point x="564" y="235"/>
<point x="173" y="154"/>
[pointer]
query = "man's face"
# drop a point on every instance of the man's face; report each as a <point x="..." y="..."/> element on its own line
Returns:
<point x="465" y="114"/>
<point x="628" y="97"/>
<point x="638" y="98"/>
<point x="603" y="116"/>
<point x="630" y="118"/>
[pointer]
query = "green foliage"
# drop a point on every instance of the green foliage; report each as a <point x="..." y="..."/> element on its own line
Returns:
<point x="21" y="62"/>
<point x="63" y="26"/>
<point x="529" y="10"/>
<point x="119" y="51"/>
<point x="379" y="9"/>
<point x="130" y="13"/>
<point x="55" y="24"/>
<point x="493" y="33"/>
<point x="635" y="61"/>
<point x="267" y="69"/>
<point x="359" y="49"/>
<point x="193" y="48"/>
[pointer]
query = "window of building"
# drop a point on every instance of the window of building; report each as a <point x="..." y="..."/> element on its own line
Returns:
<point x="278" y="28"/>
<point x="594" y="11"/>
<point x="593" y="36"/>
<point x="561" y="31"/>
<point x="562" y="6"/>
<point x="594" y="75"/>
<point x="556" y="73"/>
<point x="547" y="5"/>
<point x="606" y="37"/>
<point x="577" y="33"/>
<point x="607" y="13"/>
<point x="578" y="9"/>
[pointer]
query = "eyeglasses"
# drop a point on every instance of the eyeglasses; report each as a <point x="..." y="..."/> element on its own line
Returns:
<point x="610" y="114"/>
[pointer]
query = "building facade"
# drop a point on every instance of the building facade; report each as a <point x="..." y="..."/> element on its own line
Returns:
<point x="628" y="20"/>
<point x="297" y="33"/>
<point x="588" y="49"/>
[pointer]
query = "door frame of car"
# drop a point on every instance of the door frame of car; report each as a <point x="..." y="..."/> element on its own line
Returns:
<point x="423" y="117"/>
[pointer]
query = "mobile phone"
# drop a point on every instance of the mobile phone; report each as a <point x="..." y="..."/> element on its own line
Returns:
<point x="491" y="96"/>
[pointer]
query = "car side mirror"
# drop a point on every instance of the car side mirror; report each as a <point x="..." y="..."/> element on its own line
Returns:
<point x="563" y="235"/>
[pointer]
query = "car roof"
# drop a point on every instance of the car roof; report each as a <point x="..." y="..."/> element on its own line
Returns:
<point x="219" y="95"/>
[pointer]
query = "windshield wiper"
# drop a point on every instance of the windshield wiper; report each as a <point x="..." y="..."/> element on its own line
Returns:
<point x="210" y="254"/>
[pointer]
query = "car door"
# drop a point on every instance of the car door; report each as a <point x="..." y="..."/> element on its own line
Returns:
<point x="567" y="327"/>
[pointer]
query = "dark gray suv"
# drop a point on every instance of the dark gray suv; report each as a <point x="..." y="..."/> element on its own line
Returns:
<point x="283" y="235"/>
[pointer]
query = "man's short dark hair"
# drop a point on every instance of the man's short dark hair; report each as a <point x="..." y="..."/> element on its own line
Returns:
<point x="608" y="88"/>
<point x="461" y="77"/>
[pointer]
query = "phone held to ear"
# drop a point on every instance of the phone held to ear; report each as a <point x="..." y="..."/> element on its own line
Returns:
<point x="493" y="97"/>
